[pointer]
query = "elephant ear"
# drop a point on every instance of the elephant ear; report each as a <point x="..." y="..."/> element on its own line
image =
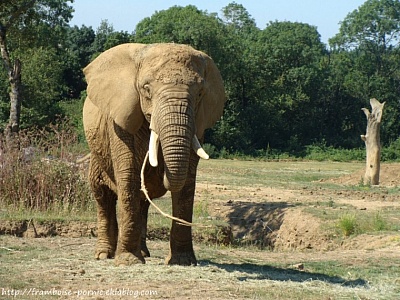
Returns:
<point x="111" y="80"/>
<point x="211" y="106"/>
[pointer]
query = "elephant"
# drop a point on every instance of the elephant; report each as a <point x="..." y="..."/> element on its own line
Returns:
<point x="155" y="100"/>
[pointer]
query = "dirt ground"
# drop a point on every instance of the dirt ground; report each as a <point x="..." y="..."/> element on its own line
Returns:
<point x="275" y="218"/>
<point x="271" y="222"/>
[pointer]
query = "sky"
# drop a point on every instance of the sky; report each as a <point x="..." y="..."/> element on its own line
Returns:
<point x="123" y="15"/>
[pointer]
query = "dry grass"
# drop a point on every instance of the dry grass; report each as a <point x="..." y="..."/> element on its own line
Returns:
<point x="65" y="264"/>
<point x="38" y="172"/>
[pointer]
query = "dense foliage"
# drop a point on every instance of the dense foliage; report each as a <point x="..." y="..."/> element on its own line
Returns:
<point x="286" y="89"/>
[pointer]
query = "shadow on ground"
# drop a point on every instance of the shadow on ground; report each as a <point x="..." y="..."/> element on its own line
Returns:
<point x="256" y="223"/>
<point x="265" y="272"/>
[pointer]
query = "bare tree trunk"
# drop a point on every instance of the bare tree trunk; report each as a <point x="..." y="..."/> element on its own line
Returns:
<point x="15" y="98"/>
<point x="14" y="78"/>
<point x="372" y="142"/>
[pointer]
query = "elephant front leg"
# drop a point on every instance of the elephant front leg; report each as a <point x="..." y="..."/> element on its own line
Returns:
<point x="181" y="244"/>
<point x="129" y="240"/>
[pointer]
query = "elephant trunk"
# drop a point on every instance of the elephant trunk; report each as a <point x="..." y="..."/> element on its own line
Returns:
<point x="173" y="125"/>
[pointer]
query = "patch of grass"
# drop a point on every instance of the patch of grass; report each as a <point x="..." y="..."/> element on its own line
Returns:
<point x="329" y="278"/>
<point x="379" y="223"/>
<point x="348" y="224"/>
<point x="353" y="221"/>
<point x="364" y="184"/>
<point x="155" y="219"/>
<point x="222" y="273"/>
<point x="286" y="174"/>
<point x="378" y="274"/>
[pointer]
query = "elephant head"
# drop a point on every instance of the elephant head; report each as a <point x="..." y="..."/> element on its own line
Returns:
<point x="176" y="89"/>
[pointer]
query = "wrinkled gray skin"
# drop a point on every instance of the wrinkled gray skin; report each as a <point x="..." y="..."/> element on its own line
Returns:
<point x="134" y="89"/>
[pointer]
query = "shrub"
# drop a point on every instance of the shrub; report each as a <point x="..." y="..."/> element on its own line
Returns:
<point x="348" y="224"/>
<point x="322" y="152"/>
<point x="379" y="223"/>
<point x="38" y="171"/>
<point x="392" y="152"/>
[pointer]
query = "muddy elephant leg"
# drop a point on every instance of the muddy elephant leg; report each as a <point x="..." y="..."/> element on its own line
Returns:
<point x="144" y="210"/>
<point x="107" y="227"/>
<point x="181" y="244"/>
<point x="126" y="165"/>
<point x="129" y="222"/>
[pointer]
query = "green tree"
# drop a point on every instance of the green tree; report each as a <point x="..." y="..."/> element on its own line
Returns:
<point x="369" y="44"/>
<point x="23" y="25"/>
<point x="43" y="86"/>
<point x="339" y="108"/>
<point x="79" y="51"/>
<point x="106" y="38"/>
<point x="183" y="25"/>
<point x="239" y="68"/>
<point x="292" y="72"/>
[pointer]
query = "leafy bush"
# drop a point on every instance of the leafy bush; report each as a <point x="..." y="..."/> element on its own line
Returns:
<point x="392" y="152"/>
<point x="320" y="151"/>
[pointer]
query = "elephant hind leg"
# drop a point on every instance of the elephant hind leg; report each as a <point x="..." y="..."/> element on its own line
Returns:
<point x="144" y="209"/>
<point x="107" y="226"/>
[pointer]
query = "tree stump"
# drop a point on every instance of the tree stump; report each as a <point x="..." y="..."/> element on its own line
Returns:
<point x="372" y="142"/>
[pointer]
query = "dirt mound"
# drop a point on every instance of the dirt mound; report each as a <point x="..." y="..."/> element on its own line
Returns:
<point x="301" y="231"/>
<point x="389" y="176"/>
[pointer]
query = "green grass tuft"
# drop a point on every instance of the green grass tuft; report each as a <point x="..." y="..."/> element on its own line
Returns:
<point x="348" y="224"/>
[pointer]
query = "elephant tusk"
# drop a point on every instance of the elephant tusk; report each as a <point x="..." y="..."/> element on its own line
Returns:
<point x="153" y="149"/>
<point x="198" y="149"/>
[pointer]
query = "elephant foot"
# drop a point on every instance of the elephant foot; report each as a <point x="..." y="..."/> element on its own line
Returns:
<point x="128" y="259"/>
<point x="145" y="251"/>
<point x="182" y="259"/>
<point x="103" y="254"/>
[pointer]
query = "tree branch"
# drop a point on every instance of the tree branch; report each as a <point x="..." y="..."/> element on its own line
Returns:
<point x="3" y="50"/>
<point x="23" y="8"/>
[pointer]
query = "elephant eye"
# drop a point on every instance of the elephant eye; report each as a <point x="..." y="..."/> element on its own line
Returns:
<point x="146" y="88"/>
